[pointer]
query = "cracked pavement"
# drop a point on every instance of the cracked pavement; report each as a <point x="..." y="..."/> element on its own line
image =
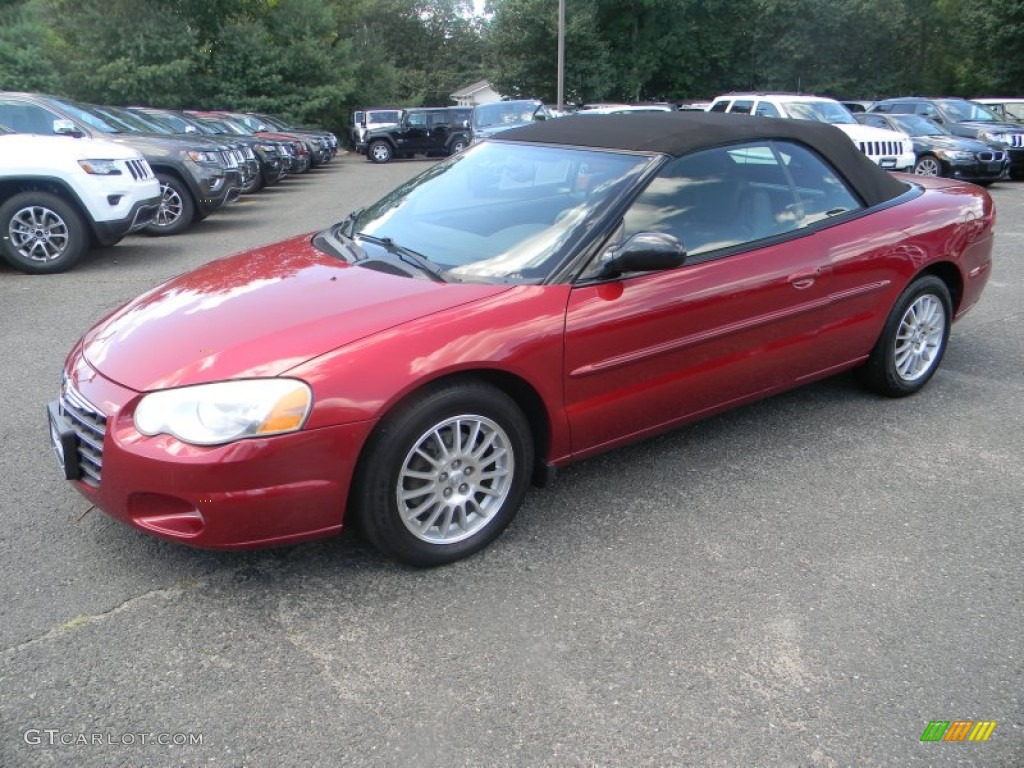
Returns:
<point x="807" y="581"/>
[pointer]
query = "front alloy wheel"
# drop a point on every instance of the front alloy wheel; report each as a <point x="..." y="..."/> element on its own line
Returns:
<point x="455" y="478"/>
<point x="176" y="210"/>
<point x="444" y="474"/>
<point x="41" y="232"/>
<point x="928" y="166"/>
<point x="380" y="152"/>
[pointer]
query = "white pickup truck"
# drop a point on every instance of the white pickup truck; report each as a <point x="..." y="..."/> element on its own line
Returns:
<point x="60" y="195"/>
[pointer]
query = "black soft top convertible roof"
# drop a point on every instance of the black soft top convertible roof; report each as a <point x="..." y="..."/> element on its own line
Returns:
<point x="680" y="133"/>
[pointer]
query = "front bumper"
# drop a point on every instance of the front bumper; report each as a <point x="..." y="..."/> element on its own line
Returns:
<point x="1016" y="160"/>
<point x="251" y="493"/>
<point x="217" y="187"/>
<point x="977" y="171"/>
<point x="110" y="232"/>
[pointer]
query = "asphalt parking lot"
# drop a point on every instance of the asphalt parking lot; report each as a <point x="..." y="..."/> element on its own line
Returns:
<point x="807" y="581"/>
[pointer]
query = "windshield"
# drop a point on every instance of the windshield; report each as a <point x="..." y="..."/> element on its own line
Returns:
<point x="914" y="125"/>
<point x="962" y="111"/>
<point x="167" y="121"/>
<point x="88" y="117"/>
<point x="506" y="113"/>
<point x="126" y="121"/>
<point x="1014" y="110"/>
<point x="822" y="111"/>
<point x="225" y="126"/>
<point x="383" y="117"/>
<point x="498" y="212"/>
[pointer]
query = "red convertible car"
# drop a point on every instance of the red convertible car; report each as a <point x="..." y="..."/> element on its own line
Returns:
<point x="554" y="292"/>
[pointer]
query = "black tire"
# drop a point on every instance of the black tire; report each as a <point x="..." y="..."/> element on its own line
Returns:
<point x="928" y="165"/>
<point x="913" y="340"/>
<point x="488" y="487"/>
<point x="379" y="151"/>
<point x="255" y="183"/>
<point x="457" y="146"/>
<point x="177" y="209"/>
<point x="42" y="233"/>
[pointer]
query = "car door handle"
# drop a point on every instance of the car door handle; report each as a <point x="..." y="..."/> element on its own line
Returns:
<point x="803" y="280"/>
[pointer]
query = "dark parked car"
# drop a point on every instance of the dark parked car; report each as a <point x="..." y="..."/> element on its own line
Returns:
<point x="420" y="131"/>
<point x="194" y="174"/>
<point x="322" y="145"/>
<point x="940" y="153"/>
<point x="236" y="156"/>
<point x="546" y="295"/>
<point x="300" y="152"/>
<point x="964" y="118"/>
<point x="268" y="160"/>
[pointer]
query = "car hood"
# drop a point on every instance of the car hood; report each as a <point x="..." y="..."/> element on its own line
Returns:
<point x="259" y="313"/>
<point x="859" y="132"/>
<point x="24" y="149"/>
<point x="957" y="143"/>
<point x="994" y="127"/>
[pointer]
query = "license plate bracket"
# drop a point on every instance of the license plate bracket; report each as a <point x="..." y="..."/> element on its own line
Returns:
<point x="63" y="441"/>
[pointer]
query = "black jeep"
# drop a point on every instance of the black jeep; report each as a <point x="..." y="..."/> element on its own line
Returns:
<point x="422" y="131"/>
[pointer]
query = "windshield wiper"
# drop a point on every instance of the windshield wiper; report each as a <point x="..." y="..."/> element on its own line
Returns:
<point x="407" y="255"/>
<point x="350" y="221"/>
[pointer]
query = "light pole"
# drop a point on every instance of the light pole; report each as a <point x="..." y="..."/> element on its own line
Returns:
<point x="561" y="53"/>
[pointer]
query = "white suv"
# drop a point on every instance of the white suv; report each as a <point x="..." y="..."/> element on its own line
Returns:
<point x="59" y="195"/>
<point x="888" y="149"/>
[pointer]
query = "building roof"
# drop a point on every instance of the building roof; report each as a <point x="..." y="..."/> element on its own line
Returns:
<point x="469" y="90"/>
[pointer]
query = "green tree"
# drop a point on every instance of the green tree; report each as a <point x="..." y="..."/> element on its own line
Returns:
<point x="522" y="41"/>
<point x="124" y="52"/>
<point x="28" y="48"/>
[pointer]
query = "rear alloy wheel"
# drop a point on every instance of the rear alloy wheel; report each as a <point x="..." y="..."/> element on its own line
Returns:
<point x="928" y="165"/>
<point x="379" y="152"/>
<point x="176" y="210"/>
<point x="42" y="233"/>
<point x="443" y="476"/>
<point x="913" y="340"/>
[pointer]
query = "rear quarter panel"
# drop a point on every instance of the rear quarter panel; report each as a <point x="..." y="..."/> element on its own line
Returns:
<point x="946" y="229"/>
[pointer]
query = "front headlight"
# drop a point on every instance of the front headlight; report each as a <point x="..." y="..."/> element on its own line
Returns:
<point x="957" y="155"/>
<point x="270" y="149"/>
<point x="100" y="167"/>
<point x="204" y="157"/>
<point x="213" y="414"/>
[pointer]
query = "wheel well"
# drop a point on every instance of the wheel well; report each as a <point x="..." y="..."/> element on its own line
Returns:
<point x="950" y="275"/>
<point x="11" y="187"/>
<point x="168" y="170"/>
<point x="524" y="395"/>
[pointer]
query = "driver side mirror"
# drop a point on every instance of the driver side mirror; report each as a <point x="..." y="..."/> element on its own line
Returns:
<point x="644" y="252"/>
